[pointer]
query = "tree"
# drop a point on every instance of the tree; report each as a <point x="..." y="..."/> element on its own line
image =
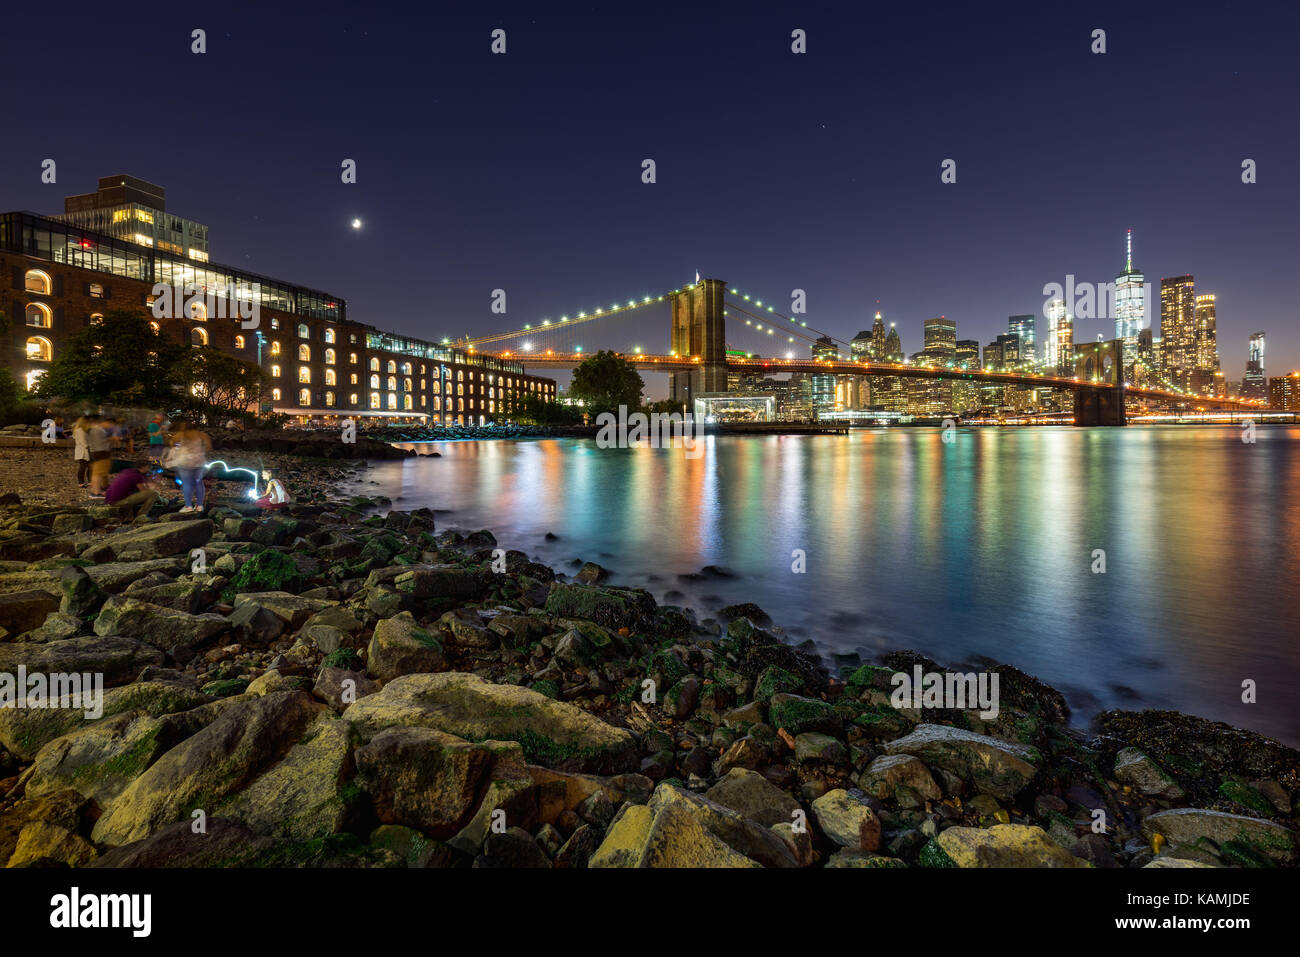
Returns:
<point x="605" y="381"/>
<point x="534" y="410"/>
<point x="118" y="360"/>
<point x="218" y="384"/>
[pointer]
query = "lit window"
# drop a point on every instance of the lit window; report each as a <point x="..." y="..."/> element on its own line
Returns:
<point x="95" y="290"/>
<point x="352" y="399"/>
<point x="437" y="403"/>
<point x="275" y="395"/>
<point x="329" y="335"/>
<point x="304" y="373"/>
<point x="275" y="371"/>
<point x="406" y="403"/>
<point x="392" y="366"/>
<point x="39" y="349"/>
<point x="392" y="402"/>
<point x="304" y="353"/>
<point x="329" y="398"/>
<point x="352" y="358"/>
<point x="374" y="382"/>
<point x="239" y="342"/>
<point x="374" y="400"/>
<point x="155" y="327"/>
<point x="33" y="377"/>
<point x="406" y="368"/>
<point x="275" y="348"/>
<point x="198" y="310"/>
<point x="303" y="331"/>
<point x="198" y="336"/>
<point x="38" y="282"/>
<point x="330" y="377"/>
<point x="374" y="364"/>
<point x="39" y="315"/>
<point x="304" y="396"/>
<point x="329" y="357"/>
<point x="96" y="318"/>
<point x="392" y="383"/>
<point x="353" y="377"/>
<point x="275" y="323"/>
<point x="406" y="385"/>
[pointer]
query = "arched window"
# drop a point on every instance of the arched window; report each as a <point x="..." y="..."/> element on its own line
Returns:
<point x="374" y="382"/>
<point x="392" y="402"/>
<point x="374" y="400"/>
<point x="275" y="348"/>
<point x="374" y="364"/>
<point x="437" y="403"/>
<point x="33" y="378"/>
<point x="392" y="383"/>
<point x="96" y="318"/>
<point x="329" y="335"/>
<point x="239" y="342"/>
<point x="406" y="368"/>
<point x="352" y="379"/>
<point x="329" y="399"/>
<point x="157" y="329"/>
<point x="275" y="323"/>
<point x="406" y="403"/>
<point x="303" y="331"/>
<point x="304" y="396"/>
<point x="39" y="315"/>
<point x="198" y="336"/>
<point x="275" y="371"/>
<point x="39" y="349"/>
<point x="198" y="310"/>
<point x="352" y="358"/>
<point x="329" y="357"/>
<point x="304" y="373"/>
<point x="304" y="353"/>
<point x="38" y="282"/>
<point x="352" y="399"/>
<point x="275" y="395"/>
<point x="392" y="366"/>
<point x="406" y="384"/>
<point x="330" y="378"/>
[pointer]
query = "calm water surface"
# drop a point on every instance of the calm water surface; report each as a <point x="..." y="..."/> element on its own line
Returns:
<point x="981" y="547"/>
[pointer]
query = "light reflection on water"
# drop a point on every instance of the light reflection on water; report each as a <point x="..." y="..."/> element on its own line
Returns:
<point x="979" y="547"/>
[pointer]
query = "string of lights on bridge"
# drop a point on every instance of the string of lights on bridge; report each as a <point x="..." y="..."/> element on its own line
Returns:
<point x="755" y="322"/>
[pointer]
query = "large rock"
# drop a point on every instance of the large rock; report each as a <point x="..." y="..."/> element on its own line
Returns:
<point x="893" y="777"/>
<point x="291" y="609"/>
<point x="24" y="610"/>
<point x="101" y="760"/>
<point x="1136" y="769"/>
<point x="994" y="767"/>
<point x="225" y="843"/>
<point x="614" y="608"/>
<point x="666" y="836"/>
<point x="158" y="540"/>
<point x="204" y="769"/>
<point x="424" y="778"/>
<point x="1004" y="845"/>
<point x="1188" y="825"/>
<point x="754" y="796"/>
<point x="742" y="835"/>
<point x="24" y="731"/>
<point x="553" y="733"/>
<point x="164" y="628"/>
<point x="847" y="821"/>
<point x="118" y="659"/>
<point x="400" y="646"/>
<point x="304" y="796"/>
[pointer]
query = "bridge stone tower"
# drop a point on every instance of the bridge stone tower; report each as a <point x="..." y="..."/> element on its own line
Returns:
<point x="1104" y="404"/>
<point x="699" y="329"/>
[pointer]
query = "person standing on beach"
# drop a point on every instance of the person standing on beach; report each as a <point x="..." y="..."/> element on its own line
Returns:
<point x="81" y="451"/>
<point x="189" y="455"/>
<point x="101" y="455"/>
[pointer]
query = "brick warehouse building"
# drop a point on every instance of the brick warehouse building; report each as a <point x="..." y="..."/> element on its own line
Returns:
<point x="55" y="278"/>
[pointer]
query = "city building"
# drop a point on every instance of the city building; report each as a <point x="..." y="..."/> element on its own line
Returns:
<point x="321" y="363"/>
<point x="130" y="208"/>
<point x="1206" y="374"/>
<point x="1058" y="354"/>
<point x="1284" y="392"/>
<point x="823" y="385"/>
<point x="1254" y="384"/>
<point x="1022" y="327"/>
<point x="1130" y="309"/>
<point x="1178" y="329"/>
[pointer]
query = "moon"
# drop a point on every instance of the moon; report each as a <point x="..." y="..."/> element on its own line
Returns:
<point x="356" y="224"/>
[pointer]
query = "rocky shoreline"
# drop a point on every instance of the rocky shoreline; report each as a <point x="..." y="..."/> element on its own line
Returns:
<point x="341" y="684"/>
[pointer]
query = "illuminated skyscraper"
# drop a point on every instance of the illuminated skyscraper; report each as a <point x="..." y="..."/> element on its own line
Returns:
<point x="823" y="386"/>
<point x="1058" y="351"/>
<point x="878" y="336"/>
<point x="1022" y="327"/>
<point x="1130" y="309"/>
<point x="1207" y="343"/>
<point x="1178" y="329"/>
<point x="1254" y="385"/>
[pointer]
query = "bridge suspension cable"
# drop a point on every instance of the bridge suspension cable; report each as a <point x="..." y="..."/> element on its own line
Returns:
<point x="795" y="322"/>
<point x="568" y="321"/>
<point x="790" y="334"/>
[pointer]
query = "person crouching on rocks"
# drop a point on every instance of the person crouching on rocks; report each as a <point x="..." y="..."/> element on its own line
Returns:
<point x="275" y="496"/>
<point x="133" y="486"/>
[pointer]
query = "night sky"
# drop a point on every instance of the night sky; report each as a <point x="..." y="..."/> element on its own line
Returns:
<point x="775" y="170"/>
